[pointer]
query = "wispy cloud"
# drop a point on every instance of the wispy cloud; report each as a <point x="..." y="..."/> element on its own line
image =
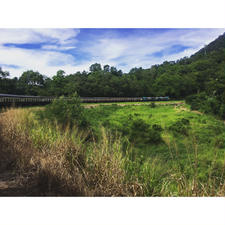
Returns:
<point x="147" y="47"/>
<point x="48" y="50"/>
<point x="19" y="36"/>
<point x="31" y="49"/>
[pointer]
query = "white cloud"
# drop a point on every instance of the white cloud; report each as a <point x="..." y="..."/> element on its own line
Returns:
<point x="132" y="51"/>
<point x="136" y="51"/>
<point x="35" y="60"/>
<point x="42" y="60"/>
<point x="58" y="48"/>
<point x="21" y="36"/>
<point x="62" y="36"/>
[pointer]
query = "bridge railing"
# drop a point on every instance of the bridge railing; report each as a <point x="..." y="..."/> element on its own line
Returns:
<point x="8" y="100"/>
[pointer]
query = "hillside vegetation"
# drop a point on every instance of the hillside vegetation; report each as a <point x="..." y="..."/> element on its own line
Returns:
<point x="201" y="75"/>
<point x="145" y="150"/>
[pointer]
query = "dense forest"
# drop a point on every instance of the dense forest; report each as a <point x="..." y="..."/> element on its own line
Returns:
<point x="200" y="79"/>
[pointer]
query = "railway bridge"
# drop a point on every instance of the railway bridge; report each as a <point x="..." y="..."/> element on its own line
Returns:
<point x="8" y="100"/>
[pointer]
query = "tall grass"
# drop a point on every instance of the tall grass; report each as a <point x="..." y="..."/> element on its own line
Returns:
<point x="67" y="161"/>
<point x="60" y="161"/>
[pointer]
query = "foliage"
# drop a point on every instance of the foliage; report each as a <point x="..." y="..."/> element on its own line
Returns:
<point x="152" y="105"/>
<point x="222" y="111"/>
<point x="65" y="111"/>
<point x="141" y="132"/>
<point x="206" y="104"/>
<point x="181" y="126"/>
<point x="196" y="100"/>
<point x="3" y="74"/>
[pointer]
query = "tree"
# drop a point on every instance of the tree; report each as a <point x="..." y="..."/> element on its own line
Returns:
<point x="31" y="78"/>
<point x="95" y="67"/>
<point x="135" y="70"/>
<point x="60" y="73"/>
<point x="114" y="71"/>
<point x="58" y="83"/>
<point x="7" y="85"/>
<point x="30" y="82"/>
<point x="106" y="68"/>
<point x="3" y="74"/>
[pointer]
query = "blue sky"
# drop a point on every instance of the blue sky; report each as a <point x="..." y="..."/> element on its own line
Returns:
<point x="48" y="50"/>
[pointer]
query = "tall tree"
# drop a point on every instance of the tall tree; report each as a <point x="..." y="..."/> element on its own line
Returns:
<point x="95" y="67"/>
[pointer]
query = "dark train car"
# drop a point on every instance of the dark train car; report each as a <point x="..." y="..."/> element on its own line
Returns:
<point x="155" y="98"/>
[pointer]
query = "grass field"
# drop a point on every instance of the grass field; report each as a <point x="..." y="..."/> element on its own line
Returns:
<point x="129" y="150"/>
<point x="191" y="146"/>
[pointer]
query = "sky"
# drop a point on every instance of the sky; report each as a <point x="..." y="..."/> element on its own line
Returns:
<point x="72" y="50"/>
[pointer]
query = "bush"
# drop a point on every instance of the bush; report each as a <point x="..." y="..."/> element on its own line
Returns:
<point x="180" y="127"/>
<point x="196" y="101"/>
<point x="222" y="111"/>
<point x="152" y="105"/>
<point x="206" y="104"/>
<point x="211" y="105"/>
<point x="65" y="111"/>
<point x="220" y="141"/>
<point x="141" y="132"/>
<point x="157" y="127"/>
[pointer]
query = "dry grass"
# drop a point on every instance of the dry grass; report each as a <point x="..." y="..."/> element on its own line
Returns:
<point x="61" y="163"/>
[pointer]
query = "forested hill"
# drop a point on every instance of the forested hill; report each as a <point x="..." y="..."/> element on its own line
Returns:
<point x="203" y="73"/>
<point x="209" y="64"/>
<point x="217" y="45"/>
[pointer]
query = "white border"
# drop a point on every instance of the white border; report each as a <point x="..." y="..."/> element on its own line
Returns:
<point x="109" y="14"/>
<point x="112" y="13"/>
<point x="112" y="211"/>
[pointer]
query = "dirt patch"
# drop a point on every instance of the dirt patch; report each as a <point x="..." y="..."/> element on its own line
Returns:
<point x="122" y="104"/>
<point x="10" y="184"/>
<point x="181" y="109"/>
<point x="197" y="112"/>
<point x="13" y="184"/>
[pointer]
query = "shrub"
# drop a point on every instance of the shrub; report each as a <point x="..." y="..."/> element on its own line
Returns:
<point x="141" y="132"/>
<point x="211" y="105"/>
<point x="130" y="117"/>
<point x="180" y="127"/>
<point x="222" y="111"/>
<point x="220" y="141"/>
<point x="65" y="111"/>
<point x="196" y="101"/>
<point x="206" y="104"/>
<point x="152" y="105"/>
<point x="157" y="127"/>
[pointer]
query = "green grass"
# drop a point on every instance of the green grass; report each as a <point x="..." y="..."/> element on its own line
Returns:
<point x="160" y="150"/>
<point x="193" y="156"/>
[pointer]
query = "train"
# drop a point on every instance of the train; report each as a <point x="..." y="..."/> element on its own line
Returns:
<point x="122" y="99"/>
<point x="10" y="99"/>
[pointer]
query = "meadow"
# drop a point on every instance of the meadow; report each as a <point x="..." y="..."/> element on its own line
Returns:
<point x="113" y="150"/>
<point x="174" y="151"/>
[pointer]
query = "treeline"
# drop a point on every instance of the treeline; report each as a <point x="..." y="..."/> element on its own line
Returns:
<point x="202" y="74"/>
